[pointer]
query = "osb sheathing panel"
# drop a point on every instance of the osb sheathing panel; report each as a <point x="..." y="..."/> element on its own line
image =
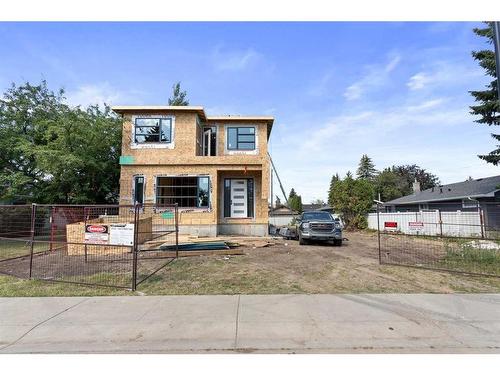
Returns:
<point x="185" y="144"/>
<point x="196" y="216"/>
<point x="183" y="160"/>
<point x="76" y="233"/>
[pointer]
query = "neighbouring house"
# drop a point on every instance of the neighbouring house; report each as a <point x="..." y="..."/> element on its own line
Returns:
<point x="475" y="196"/>
<point x="282" y="216"/>
<point x="216" y="168"/>
<point x="317" y="207"/>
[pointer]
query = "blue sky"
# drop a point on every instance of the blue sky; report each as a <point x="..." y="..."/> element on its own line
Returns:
<point x="395" y="91"/>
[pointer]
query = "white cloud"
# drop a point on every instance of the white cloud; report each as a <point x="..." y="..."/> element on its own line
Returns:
<point x="443" y="74"/>
<point x="235" y="60"/>
<point x="418" y="81"/>
<point x="376" y="124"/>
<point x="375" y="76"/>
<point x="100" y="93"/>
<point x="426" y="105"/>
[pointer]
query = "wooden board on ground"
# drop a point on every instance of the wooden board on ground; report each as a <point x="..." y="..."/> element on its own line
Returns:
<point x="193" y="253"/>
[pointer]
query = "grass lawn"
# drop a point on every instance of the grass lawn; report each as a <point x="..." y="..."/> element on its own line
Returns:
<point x="280" y="269"/>
<point x="15" y="248"/>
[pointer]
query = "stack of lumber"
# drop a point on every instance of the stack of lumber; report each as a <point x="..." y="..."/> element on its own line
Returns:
<point x="192" y="245"/>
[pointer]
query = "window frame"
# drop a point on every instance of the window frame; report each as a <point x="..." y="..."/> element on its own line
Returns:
<point x="161" y="121"/>
<point x="173" y="197"/>
<point x="237" y="148"/>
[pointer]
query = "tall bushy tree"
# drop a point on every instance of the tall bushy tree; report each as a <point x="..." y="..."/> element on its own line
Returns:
<point x="488" y="106"/>
<point x="353" y="198"/>
<point x="390" y="185"/>
<point x="294" y="201"/>
<point x="412" y="172"/>
<point x="25" y="114"/>
<point x="52" y="153"/>
<point x="178" y="96"/>
<point x="366" y="168"/>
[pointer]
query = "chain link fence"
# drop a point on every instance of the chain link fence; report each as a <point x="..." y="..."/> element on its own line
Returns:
<point x="444" y="237"/>
<point x="102" y="245"/>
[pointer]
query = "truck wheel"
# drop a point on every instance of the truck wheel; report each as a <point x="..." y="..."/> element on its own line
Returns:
<point x="337" y="242"/>
<point x="302" y="241"/>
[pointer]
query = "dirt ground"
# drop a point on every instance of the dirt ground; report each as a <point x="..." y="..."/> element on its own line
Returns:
<point x="285" y="267"/>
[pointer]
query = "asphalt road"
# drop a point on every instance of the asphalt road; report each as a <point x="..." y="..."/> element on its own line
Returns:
<point x="373" y="323"/>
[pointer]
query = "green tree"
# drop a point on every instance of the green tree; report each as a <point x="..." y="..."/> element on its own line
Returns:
<point x="178" y="97"/>
<point x="25" y="114"/>
<point x="333" y="181"/>
<point x="294" y="201"/>
<point x="52" y="153"/>
<point x="488" y="107"/>
<point x="366" y="168"/>
<point x="81" y="157"/>
<point x="353" y="198"/>
<point x="390" y="185"/>
<point x="411" y="172"/>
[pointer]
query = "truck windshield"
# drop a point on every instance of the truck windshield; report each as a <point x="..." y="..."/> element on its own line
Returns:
<point x="323" y="216"/>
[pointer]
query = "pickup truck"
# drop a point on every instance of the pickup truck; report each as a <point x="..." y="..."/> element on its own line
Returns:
<point x="319" y="226"/>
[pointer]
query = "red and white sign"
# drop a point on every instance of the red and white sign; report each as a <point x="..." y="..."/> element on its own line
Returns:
<point x="416" y="225"/>
<point x="391" y="225"/>
<point x="96" y="229"/>
<point x="96" y="234"/>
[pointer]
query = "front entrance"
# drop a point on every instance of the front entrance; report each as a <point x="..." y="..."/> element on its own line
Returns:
<point x="238" y="197"/>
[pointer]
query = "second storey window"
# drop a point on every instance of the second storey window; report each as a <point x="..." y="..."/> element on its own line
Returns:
<point x="241" y="138"/>
<point x="153" y="130"/>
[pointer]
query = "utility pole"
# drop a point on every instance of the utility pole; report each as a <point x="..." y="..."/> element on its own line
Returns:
<point x="272" y="193"/>
<point x="496" y="31"/>
<point x="279" y="181"/>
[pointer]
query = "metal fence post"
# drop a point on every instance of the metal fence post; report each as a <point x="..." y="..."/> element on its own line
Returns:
<point x="378" y="235"/>
<point x="481" y="221"/>
<point x="32" y="235"/>
<point x="440" y="224"/>
<point x="52" y="227"/>
<point x="134" y="247"/>
<point x="176" y="230"/>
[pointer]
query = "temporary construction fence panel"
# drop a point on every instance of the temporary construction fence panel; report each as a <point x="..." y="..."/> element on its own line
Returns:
<point x="106" y="245"/>
<point x="466" y="242"/>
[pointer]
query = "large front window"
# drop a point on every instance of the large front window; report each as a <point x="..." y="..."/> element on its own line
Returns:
<point x="241" y="138"/>
<point x="188" y="192"/>
<point x="153" y="130"/>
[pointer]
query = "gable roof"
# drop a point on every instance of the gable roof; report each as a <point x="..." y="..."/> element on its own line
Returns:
<point x="479" y="188"/>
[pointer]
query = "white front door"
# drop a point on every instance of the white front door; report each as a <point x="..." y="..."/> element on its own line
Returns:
<point x="239" y="198"/>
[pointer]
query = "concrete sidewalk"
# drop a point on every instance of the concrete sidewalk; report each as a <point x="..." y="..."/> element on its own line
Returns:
<point x="262" y="323"/>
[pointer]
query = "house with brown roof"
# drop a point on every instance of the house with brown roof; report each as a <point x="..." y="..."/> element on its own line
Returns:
<point x="215" y="168"/>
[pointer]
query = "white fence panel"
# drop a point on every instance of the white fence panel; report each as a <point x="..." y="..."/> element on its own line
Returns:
<point x="280" y="220"/>
<point x="459" y="224"/>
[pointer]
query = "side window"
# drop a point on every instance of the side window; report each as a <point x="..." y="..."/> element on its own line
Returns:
<point x="153" y="130"/>
<point x="139" y="190"/>
<point x="241" y="138"/>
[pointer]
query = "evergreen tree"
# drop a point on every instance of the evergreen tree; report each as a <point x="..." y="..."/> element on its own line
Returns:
<point x="294" y="201"/>
<point x="178" y="97"/>
<point x="335" y="179"/>
<point x="366" y="168"/>
<point x="488" y="107"/>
